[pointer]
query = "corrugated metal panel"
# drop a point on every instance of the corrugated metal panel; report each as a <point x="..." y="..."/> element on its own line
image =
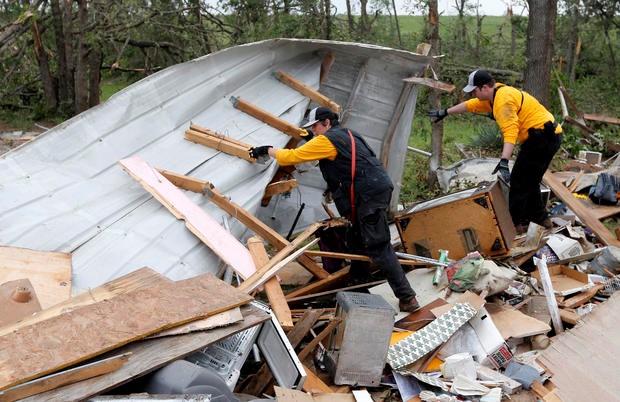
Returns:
<point x="65" y="191"/>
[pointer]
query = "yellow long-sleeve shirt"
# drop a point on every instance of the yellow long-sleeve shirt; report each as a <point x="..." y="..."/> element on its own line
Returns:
<point x="316" y="149"/>
<point x="515" y="112"/>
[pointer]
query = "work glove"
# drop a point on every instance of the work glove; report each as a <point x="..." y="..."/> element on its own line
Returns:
<point x="261" y="152"/>
<point x="306" y="134"/>
<point x="502" y="169"/>
<point x="439" y="114"/>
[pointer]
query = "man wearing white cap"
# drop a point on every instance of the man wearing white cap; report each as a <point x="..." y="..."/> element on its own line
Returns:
<point x="522" y="119"/>
<point x="361" y="190"/>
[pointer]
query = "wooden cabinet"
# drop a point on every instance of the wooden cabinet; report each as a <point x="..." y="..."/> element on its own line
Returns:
<point x="469" y="220"/>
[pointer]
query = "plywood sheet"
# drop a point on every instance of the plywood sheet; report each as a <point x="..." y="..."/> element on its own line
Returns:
<point x="512" y="323"/>
<point x="151" y="354"/>
<point x="583" y="360"/>
<point x="224" y="244"/>
<point x="88" y="331"/>
<point x="141" y="278"/>
<point x="49" y="272"/>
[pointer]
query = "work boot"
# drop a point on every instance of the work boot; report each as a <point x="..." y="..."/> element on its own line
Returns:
<point x="409" y="306"/>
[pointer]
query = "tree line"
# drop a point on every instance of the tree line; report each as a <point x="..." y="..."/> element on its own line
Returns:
<point x="54" y="53"/>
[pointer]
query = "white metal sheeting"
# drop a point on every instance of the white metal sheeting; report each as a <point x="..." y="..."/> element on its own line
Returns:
<point x="65" y="191"/>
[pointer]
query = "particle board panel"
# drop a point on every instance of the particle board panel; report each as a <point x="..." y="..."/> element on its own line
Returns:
<point x="88" y="331"/>
<point x="49" y="272"/>
<point x="582" y="360"/>
<point x="148" y="355"/>
<point x="207" y="229"/>
<point x="141" y="278"/>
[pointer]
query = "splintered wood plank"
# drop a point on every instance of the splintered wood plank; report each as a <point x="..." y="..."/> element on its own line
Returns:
<point x="151" y="354"/>
<point x="243" y="216"/>
<point x="218" y="320"/>
<point x="218" y="239"/>
<point x="142" y="278"/>
<point x="65" y="377"/>
<point x="580" y="210"/>
<point x="274" y="292"/>
<point x="313" y="383"/>
<point x="88" y="331"/>
<point x="430" y="83"/>
<point x="320" y="285"/>
<point x="49" y="272"/>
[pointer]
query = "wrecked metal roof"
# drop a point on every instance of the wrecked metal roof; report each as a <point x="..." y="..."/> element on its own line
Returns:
<point x="65" y="191"/>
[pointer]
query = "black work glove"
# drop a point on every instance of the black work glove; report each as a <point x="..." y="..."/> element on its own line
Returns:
<point x="502" y="169"/>
<point x="438" y="113"/>
<point x="258" y="152"/>
<point x="306" y="134"/>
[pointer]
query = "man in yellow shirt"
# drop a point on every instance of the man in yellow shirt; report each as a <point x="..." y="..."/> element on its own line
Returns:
<point x="522" y="119"/>
<point x="361" y="190"/>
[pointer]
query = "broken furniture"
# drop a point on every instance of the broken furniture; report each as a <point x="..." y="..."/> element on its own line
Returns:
<point x="466" y="221"/>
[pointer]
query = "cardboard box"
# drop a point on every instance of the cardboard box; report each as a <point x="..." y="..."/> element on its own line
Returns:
<point x="565" y="281"/>
<point x="564" y="247"/>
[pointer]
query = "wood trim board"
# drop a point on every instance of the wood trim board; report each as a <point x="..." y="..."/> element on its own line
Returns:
<point x="218" y="239"/>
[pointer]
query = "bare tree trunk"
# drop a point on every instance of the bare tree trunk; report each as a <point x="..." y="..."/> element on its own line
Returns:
<point x="539" y="48"/>
<point x="513" y="29"/>
<point x="49" y="88"/>
<point x="61" y="57"/>
<point x="327" y="30"/>
<point x="363" y="19"/>
<point x="81" y="66"/>
<point x="574" y="44"/>
<point x="67" y="74"/>
<point x="434" y="97"/>
<point x="350" y="19"/>
<point x="479" y="19"/>
<point x="400" y="41"/>
<point x="94" y="77"/>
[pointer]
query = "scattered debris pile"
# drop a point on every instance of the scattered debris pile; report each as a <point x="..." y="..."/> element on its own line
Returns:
<point x="496" y="311"/>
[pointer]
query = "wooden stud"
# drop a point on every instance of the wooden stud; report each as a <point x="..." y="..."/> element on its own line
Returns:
<point x="275" y="264"/>
<point x="322" y="335"/>
<point x="580" y="210"/>
<point x="357" y="257"/>
<point x="430" y="83"/>
<point x="273" y="290"/>
<point x="306" y="90"/>
<point x="267" y="118"/>
<point x="220" y="143"/>
<point x="283" y="186"/>
<point x="320" y="284"/>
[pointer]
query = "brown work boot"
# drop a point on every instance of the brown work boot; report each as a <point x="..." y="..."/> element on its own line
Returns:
<point x="409" y="306"/>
